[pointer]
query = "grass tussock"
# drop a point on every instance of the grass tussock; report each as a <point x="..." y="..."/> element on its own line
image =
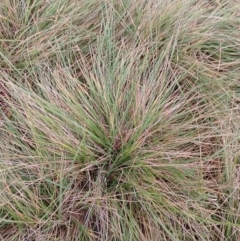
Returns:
<point x="120" y="120"/>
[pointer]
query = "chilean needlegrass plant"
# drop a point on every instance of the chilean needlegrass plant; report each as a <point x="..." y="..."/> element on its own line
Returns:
<point x="119" y="120"/>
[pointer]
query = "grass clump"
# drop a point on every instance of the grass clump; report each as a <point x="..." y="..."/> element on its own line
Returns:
<point x="119" y="120"/>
